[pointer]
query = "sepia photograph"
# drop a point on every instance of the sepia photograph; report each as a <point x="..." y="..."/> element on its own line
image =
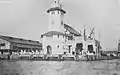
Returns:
<point x="59" y="37"/>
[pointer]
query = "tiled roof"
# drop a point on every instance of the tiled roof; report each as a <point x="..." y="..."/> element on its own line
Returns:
<point x="20" y="40"/>
<point x="50" y="33"/>
<point x="56" y="8"/>
<point x="71" y="30"/>
<point x="67" y="27"/>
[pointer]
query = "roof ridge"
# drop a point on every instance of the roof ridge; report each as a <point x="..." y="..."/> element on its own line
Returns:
<point x="71" y="30"/>
<point x="16" y="38"/>
<point x="19" y="40"/>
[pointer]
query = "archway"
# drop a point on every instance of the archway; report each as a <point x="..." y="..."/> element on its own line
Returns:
<point x="90" y="48"/>
<point x="79" y="48"/>
<point x="49" y="49"/>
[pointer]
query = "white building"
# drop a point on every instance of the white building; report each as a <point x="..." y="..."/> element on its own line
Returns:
<point x="62" y="38"/>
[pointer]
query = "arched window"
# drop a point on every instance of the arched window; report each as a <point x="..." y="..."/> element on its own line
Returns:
<point x="58" y="36"/>
<point x="90" y="48"/>
<point x="57" y="46"/>
<point x="49" y="49"/>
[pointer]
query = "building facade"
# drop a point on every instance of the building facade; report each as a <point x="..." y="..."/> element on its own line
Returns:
<point x="61" y="38"/>
<point x="13" y="44"/>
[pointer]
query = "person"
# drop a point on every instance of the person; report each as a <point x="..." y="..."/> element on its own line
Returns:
<point x="84" y="52"/>
<point x="77" y="53"/>
<point x="73" y="52"/>
<point x="9" y="55"/>
<point x="93" y="52"/>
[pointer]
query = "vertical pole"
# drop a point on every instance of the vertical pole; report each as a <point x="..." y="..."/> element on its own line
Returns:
<point x="84" y="35"/>
<point x="1" y="65"/>
<point x="118" y="45"/>
<point x="65" y="39"/>
<point x="99" y="43"/>
<point x="108" y="67"/>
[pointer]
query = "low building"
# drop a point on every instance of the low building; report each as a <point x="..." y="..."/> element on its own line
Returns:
<point x="8" y="43"/>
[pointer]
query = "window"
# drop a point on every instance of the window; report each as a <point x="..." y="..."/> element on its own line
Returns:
<point x="53" y="12"/>
<point x="14" y="47"/>
<point x="64" y="52"/>
<point x="69" y="47"/>
<point x="57" y="46"/>
<point x="79" y="47"/>
<point x="90" y="48"/>
<point x="64" y="47"/>
<point x="2" y="44"/>
<point x="49" y="49"/>
<point x="58" y="36"/>
<point x="70" y="38"/>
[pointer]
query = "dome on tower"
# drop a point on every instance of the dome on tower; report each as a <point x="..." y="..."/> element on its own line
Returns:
<point x="56" y="6"/>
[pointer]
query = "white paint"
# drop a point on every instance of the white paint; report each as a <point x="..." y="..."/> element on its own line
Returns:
<point x="54" y="41"/>
<point x="55" y="18"/>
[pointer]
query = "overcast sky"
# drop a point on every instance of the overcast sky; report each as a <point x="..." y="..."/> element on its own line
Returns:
<point x="28" y="18"/>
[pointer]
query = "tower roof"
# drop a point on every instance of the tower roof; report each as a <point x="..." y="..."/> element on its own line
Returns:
<point x="20" y="40"/>
<point x="56" y="8"/>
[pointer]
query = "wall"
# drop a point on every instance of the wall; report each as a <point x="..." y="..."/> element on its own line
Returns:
<point x="7" y="44"/>
<point x="55" y="20"/>
<point x="54" y="41"/>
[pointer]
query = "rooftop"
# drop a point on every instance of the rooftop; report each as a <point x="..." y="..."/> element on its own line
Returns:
<point x="67" y="27"/>
<point x="71" y="30"/>
<point x="50" y="33"/>
<point x="20" y="40"/>
<point x="56" y="8"/>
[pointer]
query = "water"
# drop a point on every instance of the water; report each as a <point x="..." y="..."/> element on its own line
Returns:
<point x="105" y="67"/>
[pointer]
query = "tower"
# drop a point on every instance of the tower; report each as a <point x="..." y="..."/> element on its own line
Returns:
<point x="56" y="14"/>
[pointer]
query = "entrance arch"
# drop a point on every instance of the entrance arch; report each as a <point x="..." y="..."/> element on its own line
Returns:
<point x="90" y="49"/>
<point x="49" y="49"/>
<point x="79" y="48"/>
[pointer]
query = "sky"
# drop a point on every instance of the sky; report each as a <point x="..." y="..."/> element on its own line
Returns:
<point x="28" y="18"/>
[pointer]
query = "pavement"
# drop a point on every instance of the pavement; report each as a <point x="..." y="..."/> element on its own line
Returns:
<point x="110" y="67"/>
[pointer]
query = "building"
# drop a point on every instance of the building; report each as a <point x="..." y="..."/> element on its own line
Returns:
<point x="61" y="38"/>
<point x="13" y="44"/>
